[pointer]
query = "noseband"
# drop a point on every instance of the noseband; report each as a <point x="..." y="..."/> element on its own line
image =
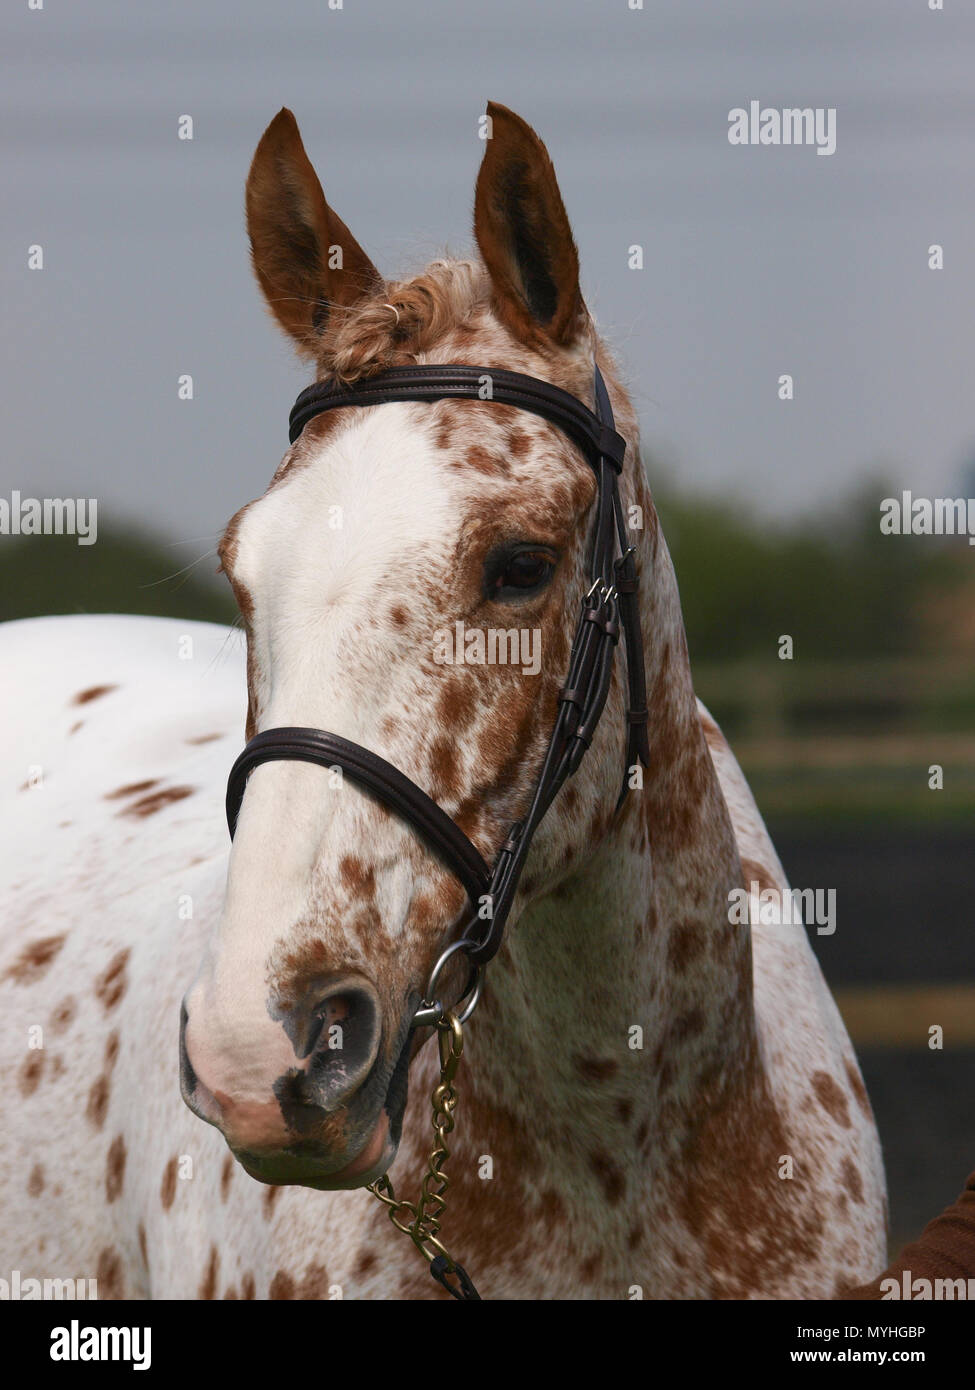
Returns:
<point x="609" y="606"/>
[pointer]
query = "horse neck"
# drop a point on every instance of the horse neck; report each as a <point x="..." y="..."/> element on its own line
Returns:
<point x="622" y="1000"/>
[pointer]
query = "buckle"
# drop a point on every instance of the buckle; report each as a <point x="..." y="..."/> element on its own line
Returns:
<point x="626" y="576"/>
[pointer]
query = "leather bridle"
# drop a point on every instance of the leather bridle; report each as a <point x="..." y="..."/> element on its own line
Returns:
<point x="611" y="604"/>
<point x="609" y="607"/>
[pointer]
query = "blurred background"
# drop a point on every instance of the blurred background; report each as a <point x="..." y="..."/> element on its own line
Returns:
<point x="756" y="262"/>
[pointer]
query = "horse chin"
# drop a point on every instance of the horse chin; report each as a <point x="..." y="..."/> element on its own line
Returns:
<point x="305" y="1170"/>
<point x="371" y="1162"/>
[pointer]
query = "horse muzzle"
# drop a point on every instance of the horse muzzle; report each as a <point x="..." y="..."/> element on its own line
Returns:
<point x="328" y="1115"/>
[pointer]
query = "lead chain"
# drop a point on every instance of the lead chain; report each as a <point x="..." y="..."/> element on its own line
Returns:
<point x="420" y="1220"/>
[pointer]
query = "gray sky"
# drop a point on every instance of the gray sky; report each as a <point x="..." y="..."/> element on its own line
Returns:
<point x="758" y="261"/>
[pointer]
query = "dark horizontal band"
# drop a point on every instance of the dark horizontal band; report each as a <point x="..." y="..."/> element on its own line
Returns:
<point x="435" y="383"/>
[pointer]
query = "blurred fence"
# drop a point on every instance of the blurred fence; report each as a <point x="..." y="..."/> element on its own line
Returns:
<point x="837" y="740"/>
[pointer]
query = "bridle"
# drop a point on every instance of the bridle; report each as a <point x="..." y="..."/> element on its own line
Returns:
<point x="610" y="606"/>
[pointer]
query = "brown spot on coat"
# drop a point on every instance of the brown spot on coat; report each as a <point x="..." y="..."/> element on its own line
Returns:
<point x="94" y="692"/>
<point x="226" y="1174"/>
<point x="551" y="1208"/>
<point x="713" y="736"/>
<point x="97" y="1107"/>
<point x="685" y="945"/>
<point x="456" y="704"/>
<point x="358" y="878"/>
<point x="167" y="1188"/>
<point x="519" y="443"/>
<point x="143" y="1246"/>
<point x="64" y="1015"/>
<point x="110" y="1275"/>
<point x="35" y="960"/>
<point x="131" y="789"/>
<point x="314" y="1283"/>
<point x="208" y="1284"/>
<point x="35" y="1183"/>
<point x="271" y="1195"/>
<point x="31" y="1072"/>
<point x="610" y="1177"/>
<point x="831" y="1098"/>
<point x="282" y="1286"/>
<point x="156" y="801"/>
<point x="248" y="1289"/>
<point x="857" y="1087"/>
<point x="852" y="1181"/>
<point x="202" y="738"/>
<point x="445" y="766"/>
<point x="366" y="1262"/>
<point x="752" y="872"/>
<point x="112" y="982"/>
<point x="115" y="1169"/>
<point x="483" y="461"/>
<point x="595" y="1068"/>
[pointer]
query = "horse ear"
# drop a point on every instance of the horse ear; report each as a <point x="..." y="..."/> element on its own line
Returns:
<point x="305" y="258"/>
<point x="524" y="235"/>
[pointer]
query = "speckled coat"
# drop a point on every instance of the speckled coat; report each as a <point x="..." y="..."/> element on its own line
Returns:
<point x="668" y="1101"/>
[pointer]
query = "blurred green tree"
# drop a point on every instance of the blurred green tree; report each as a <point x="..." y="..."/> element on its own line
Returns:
<point x="834" y="582"/>
<point x="123" y="572"/>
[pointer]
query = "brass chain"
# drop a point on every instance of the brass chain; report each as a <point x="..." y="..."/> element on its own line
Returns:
<point x="421" y="1220"/>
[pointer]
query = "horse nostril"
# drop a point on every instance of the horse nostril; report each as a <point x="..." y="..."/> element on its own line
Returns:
<point x="342" y="1040"/>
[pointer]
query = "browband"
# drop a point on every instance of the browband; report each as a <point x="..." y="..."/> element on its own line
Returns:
<point x="468" y="383"/>
<point x="610" y="606"/>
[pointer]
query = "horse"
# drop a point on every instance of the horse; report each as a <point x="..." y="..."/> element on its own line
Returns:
<point x="655" y="1098"/>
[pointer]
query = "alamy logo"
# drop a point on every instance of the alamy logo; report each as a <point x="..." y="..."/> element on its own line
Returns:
<point x="77" y="1343"/>
<point x="784" y="907"/>
<point x="494" y="646"/>
<point x="20" y="1288"/>
<point x="927" y="1290"/>
<point x="50" y="516"/>
<point x="908" y="515"/>
<point x="793" y="125"/>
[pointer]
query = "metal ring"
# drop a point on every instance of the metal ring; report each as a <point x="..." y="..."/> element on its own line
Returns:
<point x="431" y="1009"/>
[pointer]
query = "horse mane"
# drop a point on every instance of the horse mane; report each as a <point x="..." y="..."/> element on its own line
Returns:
<point x="402" y="320"/>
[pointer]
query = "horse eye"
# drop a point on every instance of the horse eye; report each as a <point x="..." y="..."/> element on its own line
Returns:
<point x="518" y="572"/>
